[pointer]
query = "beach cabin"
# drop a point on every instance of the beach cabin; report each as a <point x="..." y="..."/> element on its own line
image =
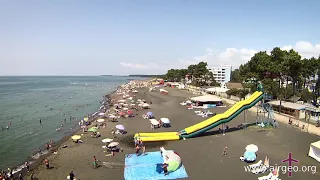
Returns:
<point x="289" y="108"/>
<point x="312" y="114"/>
<point x="207" y="100"/>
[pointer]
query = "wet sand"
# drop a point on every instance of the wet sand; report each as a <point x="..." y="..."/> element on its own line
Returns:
<point x="201" y="156"/>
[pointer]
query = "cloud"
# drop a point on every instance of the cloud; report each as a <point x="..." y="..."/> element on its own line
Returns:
<point x="236" y="57"/>
<point x="232" y="56"/>
<point x="135" y="66"/>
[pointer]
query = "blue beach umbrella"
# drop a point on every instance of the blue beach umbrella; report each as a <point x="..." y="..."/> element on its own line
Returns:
<point x="249" y="156"/>
<point x="149" y="113"/>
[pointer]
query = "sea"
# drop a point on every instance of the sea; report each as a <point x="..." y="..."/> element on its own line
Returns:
<point x="26" y="100"/>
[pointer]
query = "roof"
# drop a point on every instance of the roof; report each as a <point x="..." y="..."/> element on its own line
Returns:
<point x="289" y="105"/>
<point x="217" y="89"/>
<point x="234" y="85"/>
<point x="206" y="98"/>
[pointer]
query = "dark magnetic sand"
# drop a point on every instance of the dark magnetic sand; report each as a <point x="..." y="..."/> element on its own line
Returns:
<point x="201" y="156"/>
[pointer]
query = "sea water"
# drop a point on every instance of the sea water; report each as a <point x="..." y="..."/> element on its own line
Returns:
<point x="24" y="100"/>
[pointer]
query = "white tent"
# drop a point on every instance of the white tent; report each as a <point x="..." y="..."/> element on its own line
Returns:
<point x="314" y="150"/>
<point x="206" y="98"/>
<point x="217" y="90"/>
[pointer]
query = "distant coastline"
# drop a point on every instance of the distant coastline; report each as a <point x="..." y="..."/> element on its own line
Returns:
<point x="147" y="76"/>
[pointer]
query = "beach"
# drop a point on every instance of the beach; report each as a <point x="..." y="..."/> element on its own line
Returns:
<point x="201" y="156"/>
<point x="60" y="102"/>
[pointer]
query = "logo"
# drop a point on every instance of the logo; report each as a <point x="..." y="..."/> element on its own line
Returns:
<point x="290" y="161"/>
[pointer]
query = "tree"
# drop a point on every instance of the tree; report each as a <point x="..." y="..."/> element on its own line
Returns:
<point x="236" y="76"/>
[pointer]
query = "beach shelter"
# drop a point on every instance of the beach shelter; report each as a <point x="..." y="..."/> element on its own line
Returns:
<point x="86" y="119"/>
<point x="206" y="98"/>
<point x="314" y="150"/>
<point x="145" y="105"/>
<point x="252" y="147"/>
<point x="165" y="120"/>
<point x="249" y="156"/>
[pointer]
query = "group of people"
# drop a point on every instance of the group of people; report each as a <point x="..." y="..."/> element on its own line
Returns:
<point x="139" y="146"/>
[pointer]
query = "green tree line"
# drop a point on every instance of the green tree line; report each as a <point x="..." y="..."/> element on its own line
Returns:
<point x="276" y="69"/>
<point x="199" y="74"/>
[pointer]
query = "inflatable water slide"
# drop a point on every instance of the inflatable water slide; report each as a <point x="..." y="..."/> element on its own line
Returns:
<point x="205" y="125"/>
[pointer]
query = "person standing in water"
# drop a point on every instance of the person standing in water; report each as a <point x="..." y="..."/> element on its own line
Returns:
<point x="40" y="121"/>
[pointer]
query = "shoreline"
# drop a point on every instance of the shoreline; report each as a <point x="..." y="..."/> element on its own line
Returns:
<point x="35" y="163"/>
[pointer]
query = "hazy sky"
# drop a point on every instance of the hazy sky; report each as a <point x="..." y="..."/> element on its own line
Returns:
<point x="77" y="37"/>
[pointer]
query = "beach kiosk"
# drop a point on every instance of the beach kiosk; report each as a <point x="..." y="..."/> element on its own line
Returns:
<point x="314" y="151"/>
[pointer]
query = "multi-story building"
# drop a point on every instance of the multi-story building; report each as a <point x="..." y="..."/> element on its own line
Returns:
<point x="222" y="73"/>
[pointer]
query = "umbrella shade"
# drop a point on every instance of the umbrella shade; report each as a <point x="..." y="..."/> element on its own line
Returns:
<point x="122" y="101"/>
<point x="86" y="119"/>
<point x="154" y="122"/>
<point x="107" y="140"/>
<point x="101" y="114"/>
<point x="75" y="137"/>
<point x="250" y="156"/>
<point x="100" y="120"/>
<point x="165" y="120"/>
<point x="145" y="105"/>
<point x="149" y="113"/>
<point x="130" y="112"/>
<point x="125" y="109"/>
<point x="252" y="147"/>
<point x="122" y="113"/>
<point x="92" y="129"/>
<point x="120" y="127"/>
<point x="112" y="116"/>
<point x="113" y="144"/>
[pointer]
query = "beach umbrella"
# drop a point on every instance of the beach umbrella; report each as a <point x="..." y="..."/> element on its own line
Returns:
<point x="100" y="120"/>
<point x="145" y="105"/>
<point x="101" y="114"/>
<point x="120" y="127"/>
<point x="249" y="156"/>
<point x="112" y="116"/>
<point x="252" y="147"/>
<point x="107" y="140"/>
<point x="86" y="119"/>
<point x="125" y="105"/>
<point x="125" y="109"/>
<point x="93" y="129"/>
<point x="122" y="113"/>
<point x="113" y="144"/>
<point x="115" y="105"/>
<point x="75" y="137"/>
<point x="154" y="122"/>
<point x="149" y="113"/>
<point x="132" y="101"/>
<point x="165" y="120"/>
<point x="130" y="112"/>
<point x="122" y="101"/>
<point x="139" y="104"/>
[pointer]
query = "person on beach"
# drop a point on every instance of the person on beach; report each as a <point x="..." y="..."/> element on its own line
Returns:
<point x="224" y="152"/>
<point x="46" y="162"/>
<point x="95" y="162"/>
<point x="27" y="166"/>
<point x="20" y="176"/>
<point x="71" y="176"/>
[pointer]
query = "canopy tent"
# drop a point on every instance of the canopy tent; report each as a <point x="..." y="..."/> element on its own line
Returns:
<point x="217" y="90"/>
<point x="206" y="98"/>
<point x="314" y="150"/>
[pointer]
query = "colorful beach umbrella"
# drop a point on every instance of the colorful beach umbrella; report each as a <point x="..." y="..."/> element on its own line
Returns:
<point x="75" y="137"/>
<point x="86" y="119"/>
<point x="120" y="127"/>
<point x="113" y="144"/>
<point x="100" y="120"/>
<point x="93" y="129"/>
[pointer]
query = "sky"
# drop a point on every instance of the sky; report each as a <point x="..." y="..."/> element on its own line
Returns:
<point x="121" y="37"/>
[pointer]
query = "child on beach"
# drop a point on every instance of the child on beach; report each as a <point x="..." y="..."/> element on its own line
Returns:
<point x="224" y="152"/>
<point x="95" y="162"/>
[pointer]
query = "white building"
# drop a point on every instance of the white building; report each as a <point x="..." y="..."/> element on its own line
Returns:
<point x="222" y="73"/>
